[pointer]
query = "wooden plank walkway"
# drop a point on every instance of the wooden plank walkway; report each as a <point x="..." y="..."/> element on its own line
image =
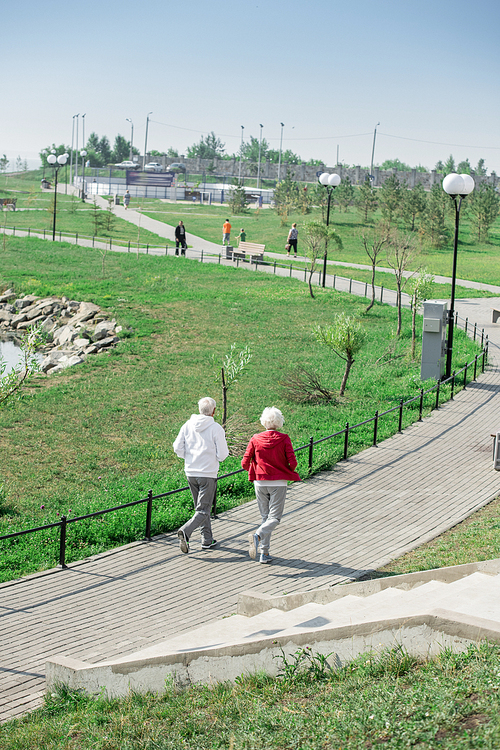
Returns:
<point x="369" y="510"/>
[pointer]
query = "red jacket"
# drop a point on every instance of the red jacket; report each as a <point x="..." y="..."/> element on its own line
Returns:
<point x="270" y="456"/>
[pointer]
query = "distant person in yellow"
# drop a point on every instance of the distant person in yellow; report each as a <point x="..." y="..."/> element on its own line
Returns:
<point x="226" y="232"/>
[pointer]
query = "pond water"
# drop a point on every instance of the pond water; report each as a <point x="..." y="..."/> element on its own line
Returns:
<point x="12" y="355"/>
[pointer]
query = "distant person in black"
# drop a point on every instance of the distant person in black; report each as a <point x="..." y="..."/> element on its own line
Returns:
<point x="180" y="238"/>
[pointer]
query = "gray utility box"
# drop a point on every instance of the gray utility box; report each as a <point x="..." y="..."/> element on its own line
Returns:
<point x="434" y="340"/>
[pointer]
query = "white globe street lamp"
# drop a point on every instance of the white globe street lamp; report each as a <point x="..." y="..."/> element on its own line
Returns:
<point x="330" y="182"/>
<point x="458" y="187"/>
<point x="57" y="162"/>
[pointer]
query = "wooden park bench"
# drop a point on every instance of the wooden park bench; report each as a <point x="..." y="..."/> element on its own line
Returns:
<point x="251" y="251"/>
<point x="9" y="203"/>
<point x="496" y="314"/>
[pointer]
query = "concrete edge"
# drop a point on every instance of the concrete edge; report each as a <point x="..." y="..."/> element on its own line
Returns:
<point x="254" y="602"/>
<point x="423" y="635"/>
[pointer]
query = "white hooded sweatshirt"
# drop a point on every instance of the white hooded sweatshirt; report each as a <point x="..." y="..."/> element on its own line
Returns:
<point x="201" y="442"/>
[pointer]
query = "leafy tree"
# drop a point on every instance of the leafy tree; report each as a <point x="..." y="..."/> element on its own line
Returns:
<point x="319" y="197"/>
<point x="365" y="199"/>
<point x="344" y="194"/>
<point x="121" y="149"/>
<point x="316" y="237"/>
<point x="173" y="153"/>
<point x="373" y="242"/>
<point x="62" y="149"/>
<point x="414" y="205"/>
<point x="286" y="198"/>
<point x="449" y="165"/>
<point x="483" y="207"/>
<point x="287" y="157"/>
<point x="11" y="384"/>
<point x="4" y="163"/>
<point x="396" y="164"/>
<point x="390" y="198"/>
<point x="433" y="226"/>
<point x="250" y="150"/>
<point x="228" y="373"/>
<point x="439" y="167"/>
<point x="402" y="249"/>
<point x="464" y="167"/>
<point x="209" y="147"/>
<point x="480" y="168"/>
<point x="345" y="337"/>
<point x="421" y="288"/>
<point x="237" y="199"/>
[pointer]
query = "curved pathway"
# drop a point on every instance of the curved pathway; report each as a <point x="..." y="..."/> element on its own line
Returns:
<point x="339" y="524"/>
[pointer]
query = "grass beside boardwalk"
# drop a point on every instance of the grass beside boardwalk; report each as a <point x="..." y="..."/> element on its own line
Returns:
<point x="101" y="434"/>
<point x="391" y="701"/>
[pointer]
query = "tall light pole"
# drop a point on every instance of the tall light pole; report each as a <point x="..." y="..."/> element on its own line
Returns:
<point x="57" y="162"/>
<point x="330" y="182"/>
<point x="373" y="149"/>
<point x="458" y="187"/>
<point x="241" y="153"/>
<point x="83" y="154"/>
<point x="76" y="147"/>
<point x="281" y="145"/>
<point x="72" y="142"/>
<point x="131" y="136"/>
<point x="258" y="169"/>
<point x="146" y="140"/>
<point x="83" y="130"/>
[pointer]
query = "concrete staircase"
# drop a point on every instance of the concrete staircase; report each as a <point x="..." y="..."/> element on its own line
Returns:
<point x="423" y="612"/>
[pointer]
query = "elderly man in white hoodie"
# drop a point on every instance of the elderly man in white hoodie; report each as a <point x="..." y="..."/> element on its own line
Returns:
<point x="201" y="442"/>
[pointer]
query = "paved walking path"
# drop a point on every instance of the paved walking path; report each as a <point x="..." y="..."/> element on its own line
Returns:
<point x="369" y="510"/>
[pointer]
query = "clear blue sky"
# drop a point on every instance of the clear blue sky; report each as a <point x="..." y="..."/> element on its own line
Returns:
<point x="428" y="71"/>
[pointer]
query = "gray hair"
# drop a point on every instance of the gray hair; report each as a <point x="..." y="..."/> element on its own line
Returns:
<point x="206" y="406"/>
<point x="272" y="418"/>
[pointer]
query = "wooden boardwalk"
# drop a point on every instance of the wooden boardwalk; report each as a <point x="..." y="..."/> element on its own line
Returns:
<point x="369" y="510"/>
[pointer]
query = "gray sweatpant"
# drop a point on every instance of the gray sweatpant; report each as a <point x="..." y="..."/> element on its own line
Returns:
<point x="203" y="492"/>
<point x="271" y="502"/>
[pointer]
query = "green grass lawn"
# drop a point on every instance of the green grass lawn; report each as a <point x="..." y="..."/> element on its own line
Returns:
<point x="391" y="700"/>
<point x="101" y="434"/>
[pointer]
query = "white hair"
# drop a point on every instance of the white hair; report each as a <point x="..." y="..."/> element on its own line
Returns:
<point x="206" y="406"/>
<point x="272" y="418"/>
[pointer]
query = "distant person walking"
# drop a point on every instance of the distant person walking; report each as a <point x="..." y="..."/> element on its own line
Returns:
<point x="292" y="240"/>
<point x="270" y="462"/>
<point x="126" y="199"/>
<point x="201" y="442"/>
<point x="226" y="232"/>
<point x="180" y="238"/>
<point x="242" y="237"/>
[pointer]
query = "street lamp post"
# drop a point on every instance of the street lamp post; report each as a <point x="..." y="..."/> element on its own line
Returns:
<point x="57" y="162"/>
<point x="458" y="187"/>
<point x="281" y="145"/>
<point x="241" y="153"/>
<point x="373" y="149"/>
<point x="330" y="182"/>
<point x="146" y="140"/>
<point x="131" y="136"/>
<point x="83" y="154"/>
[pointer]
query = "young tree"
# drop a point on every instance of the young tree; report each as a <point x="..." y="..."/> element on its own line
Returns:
<point x="401" y="251"/>
<point x="345" y="337"/>
<point x="390" y="197"/>
<point x="432" y="226"/>
<point x="414" y="205"/>
<point x="421" y="288"/>
<point x="480" y="168"/>
<point x="316" y="237"/>
<point x="373" y="242"/>
<point x="396" y="164"/>
<point x="319" y="198"/>
<point x="233" y="365"/>
<point x="365" y="199"/>
<point x="250" y="150"/>
<point x="344" y="194"/>
<point x="237" y="199"/>
<point x="464" y="167"/>
<point x="11" y="384"/>
<point x="286" y="198"/>
<point x="121" y="149"/>
<point x="483" y="207"/>
<point x="449" y="165"/>
<point x="4" y="163"/>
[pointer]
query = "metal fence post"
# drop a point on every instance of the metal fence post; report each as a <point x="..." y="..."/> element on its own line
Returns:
<point x="437" y="393"/>
<point x="466" y="324"/>
<point x="290" y="270"/>
<point x="475" y="367"/>
<point x="375" y="428"/>
<point x="484" y="358"/>
<point x="201" y="260"/>
<point x="76" y="238"/>
<point x="475" y="329"/>
<point x="381" y="293"/>
<point x="452" y="385"/>
<point x="350" y="286"/>
<point x="147" y="248"/>
<point x="220" y="256"/>
<point x="62" y="543"/>
<point x="274" y="267"/>
<point x="334" y="279"/>
<point x="346" y="440"/>
<point x="482" y="336"/>
<point x="311" y="448"/>
<point x="366" y="289"/>
<point x="29" y="230"/>
<point x="400" y="425"/>
<point x="93" y="241"/>
<point x="305" y="273"/>
<point x="421" y="404"/>
<point x="456" y="319"/>
<point x="465" y="375"/>
<point x="149" y="513"/>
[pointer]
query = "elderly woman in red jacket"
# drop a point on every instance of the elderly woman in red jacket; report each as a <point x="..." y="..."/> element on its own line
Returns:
<point x="270" y="462"/>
